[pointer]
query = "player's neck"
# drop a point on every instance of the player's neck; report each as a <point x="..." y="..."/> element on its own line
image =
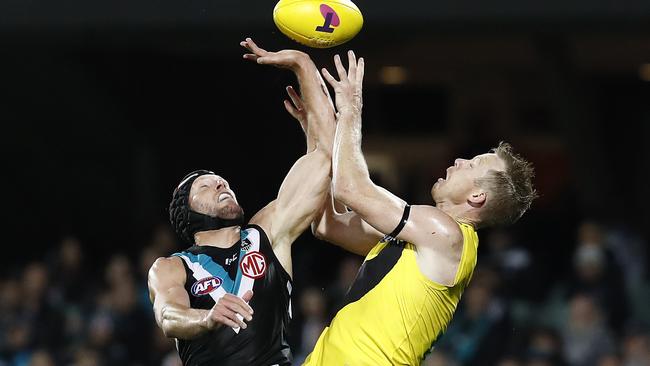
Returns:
<point x="457" y="212"/>
<point x="221" y="238"/>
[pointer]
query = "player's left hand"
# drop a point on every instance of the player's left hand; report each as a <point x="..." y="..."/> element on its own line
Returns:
<point x="296" y="107"/>
<point x="287" y="59"/>
<point x="348" y="90"/>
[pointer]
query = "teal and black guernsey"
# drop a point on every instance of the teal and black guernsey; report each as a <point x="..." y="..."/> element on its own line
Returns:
<point x="249" y="264"/>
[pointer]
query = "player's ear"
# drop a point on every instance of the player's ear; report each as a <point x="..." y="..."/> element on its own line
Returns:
<point x="477" y="198"/>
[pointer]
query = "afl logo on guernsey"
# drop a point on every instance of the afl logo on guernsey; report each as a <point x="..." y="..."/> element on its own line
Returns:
<point x="205" y="286"/>
<point x="253" y="265"/>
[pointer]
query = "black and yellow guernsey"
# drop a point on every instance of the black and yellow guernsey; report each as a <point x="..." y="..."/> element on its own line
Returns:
<point x="249" y="264"/>
<point x="393" y="313"/>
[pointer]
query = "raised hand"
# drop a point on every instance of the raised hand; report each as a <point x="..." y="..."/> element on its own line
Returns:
<point x="313" y="108"/>
<point x="296" y="107"/>
<point x="348" y="90"/>
<point x="287" y="59"/>
<point x="227" y="309"/>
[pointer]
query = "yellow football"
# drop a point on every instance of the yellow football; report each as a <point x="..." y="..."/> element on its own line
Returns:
<point x="318" y="24"/>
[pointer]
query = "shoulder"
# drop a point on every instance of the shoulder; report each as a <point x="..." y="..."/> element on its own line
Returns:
<point x="166" y="276"/>
<point x="167" y="267"/>
<point x="251" y="229"/>
<point x="254" y="227"/>
<point x="435" y="224"/>
<point x="263" y="218"/>
<point x="439" y="241"/>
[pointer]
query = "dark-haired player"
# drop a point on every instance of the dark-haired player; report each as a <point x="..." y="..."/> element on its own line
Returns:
<point x="226" y="299"/>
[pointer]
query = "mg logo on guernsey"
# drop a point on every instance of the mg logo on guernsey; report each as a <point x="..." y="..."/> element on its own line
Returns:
<point x="253" y="265"/>
<point x="205" y="286"/>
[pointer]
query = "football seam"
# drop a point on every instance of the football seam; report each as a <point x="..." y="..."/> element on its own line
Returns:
<point x="356" y="8"/>
<point x="276" y="18"/>
<point x="297" y="36"/>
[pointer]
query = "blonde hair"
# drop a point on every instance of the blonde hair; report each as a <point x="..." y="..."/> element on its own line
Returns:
<point x="510" y="191"/>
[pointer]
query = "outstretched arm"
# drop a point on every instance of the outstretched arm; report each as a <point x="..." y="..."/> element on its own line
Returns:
<point x="313" y="108"/>
<point x="351" y="180"/>
<point x="303" y="189"/>
<point x="332" y="222"/>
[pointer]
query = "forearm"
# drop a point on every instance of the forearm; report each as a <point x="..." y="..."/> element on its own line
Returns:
<point x="311" y="143"/>
<point x="351" y="180"/>
<point x="311" y="191"/>
<point x="345" y="229"/>
<point x="330" y="209"/>
<point x="320" y="113"/>
<point x="321" y="217"/>
<point x="350" y="170"/>
<point x="182" y="322"/>
<point x="301" y="196"/>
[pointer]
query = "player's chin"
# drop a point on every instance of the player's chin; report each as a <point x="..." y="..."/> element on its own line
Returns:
<point x="436" y="186"/>
<point x="435" y="189"/>
<point x="231" y="210"/>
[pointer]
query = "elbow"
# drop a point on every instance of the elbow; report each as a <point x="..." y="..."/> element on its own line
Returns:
<point x="171" y="330"/>
<point x="166" y="324"/>
<point x="167" y="329"/>
<point x="170" y="326"/>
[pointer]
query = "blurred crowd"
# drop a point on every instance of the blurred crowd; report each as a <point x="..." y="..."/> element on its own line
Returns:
<point x="69" y="308"/>
<point x="596" y="315"/>
<point x="72" y="309"/>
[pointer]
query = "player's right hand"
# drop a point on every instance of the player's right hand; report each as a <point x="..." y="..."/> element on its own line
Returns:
<point x="287" y="59"/>
<point x="227" y="309"/>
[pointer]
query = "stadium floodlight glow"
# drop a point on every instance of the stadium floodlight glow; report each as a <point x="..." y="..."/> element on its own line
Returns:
<point x="644" y="72"/>
<point x="393" y="75"/>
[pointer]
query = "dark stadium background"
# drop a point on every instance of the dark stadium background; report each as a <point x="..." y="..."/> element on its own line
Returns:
<point x="105" y="105"/>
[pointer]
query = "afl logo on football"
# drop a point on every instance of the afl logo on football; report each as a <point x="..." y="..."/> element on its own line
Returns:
<point x="253" y="265"/>
<point x="205" y="286"/>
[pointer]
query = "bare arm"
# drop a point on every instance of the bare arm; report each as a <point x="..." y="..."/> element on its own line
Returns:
<point x="351" y="182"/>
<point x="347" y="229"/>
<point x="333" y="222"/>
<point x="296" y="109"/>
<point x="301" y="194"/>
<point x="303" y="189"/>
<point x="171" y="304"/>
<point x="435" y="233"/>
<point x="314" y="108"/>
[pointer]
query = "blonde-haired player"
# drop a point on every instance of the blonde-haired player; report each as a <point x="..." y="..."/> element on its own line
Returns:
<point x="419" y="259"/>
